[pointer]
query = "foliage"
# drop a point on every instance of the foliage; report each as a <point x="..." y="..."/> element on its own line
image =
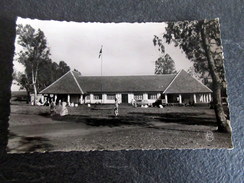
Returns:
<point x="34" y="51"/>
<point x="40" y="71"/>
<point x="188" y="36"/>
<point x="164" y="64"/>
<point x="34" y="48"/>
<point x="49" y="72"/>
<point x="24" y="82"/>
<point x="77" y="71"/>
<point x="200" y="40"/>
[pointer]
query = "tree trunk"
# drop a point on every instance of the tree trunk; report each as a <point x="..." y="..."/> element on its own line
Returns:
<point x="34" y="86"/>
<point x="35" y="93"/>
<point x="223" y="125"/>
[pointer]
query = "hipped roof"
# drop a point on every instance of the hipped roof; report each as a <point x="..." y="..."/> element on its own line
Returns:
<point x="64" y="85"/>
<point x="185" y="83"/>
<point x="74" y="83"/>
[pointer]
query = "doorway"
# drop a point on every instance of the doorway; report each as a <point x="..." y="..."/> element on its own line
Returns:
<point x="124" y="98"/>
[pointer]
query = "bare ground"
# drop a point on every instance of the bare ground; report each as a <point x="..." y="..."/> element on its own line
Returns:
<point x="96" y="128"/>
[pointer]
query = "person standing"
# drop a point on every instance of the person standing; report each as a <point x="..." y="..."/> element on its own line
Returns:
<point x="52" y="108"/>
<point x="116" y="108"/>
<point x="64" y="110"/>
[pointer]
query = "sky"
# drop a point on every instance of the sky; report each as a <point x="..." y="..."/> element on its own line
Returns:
<point x="127" y="47"/>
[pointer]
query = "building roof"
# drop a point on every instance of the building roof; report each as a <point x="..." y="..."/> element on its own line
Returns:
<point x="185" y="83"/>
<point x="74" y="83"/>
<point x="124" y="83"/>
<point x="64" y="85"/>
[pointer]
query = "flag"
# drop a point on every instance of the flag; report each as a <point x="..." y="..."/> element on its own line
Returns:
<point x="100" y="52"/>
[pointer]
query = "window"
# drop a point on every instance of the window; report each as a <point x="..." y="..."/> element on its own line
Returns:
<point x="138" y="97"/>
<point x="88" y="97"/>
<point x="152" y="96"/>
<point x="110" y="96"/>
<point x="98" y="96"/>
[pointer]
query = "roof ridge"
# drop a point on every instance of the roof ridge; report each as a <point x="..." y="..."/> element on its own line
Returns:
<point x="132" y="75"/>
<point x="55" y="81"/>
<point x="77" y="82"/>
<point x="173" y="80"/>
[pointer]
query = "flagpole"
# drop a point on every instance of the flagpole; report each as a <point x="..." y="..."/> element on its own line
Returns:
<point x="101" y="64"/>
<point x="101" y="55"/>
<point x="101" y="72"/>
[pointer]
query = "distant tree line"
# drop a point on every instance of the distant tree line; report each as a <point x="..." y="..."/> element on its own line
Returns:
<point x="40" y="70"/>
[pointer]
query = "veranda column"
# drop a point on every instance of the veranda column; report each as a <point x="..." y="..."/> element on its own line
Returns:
<point x="104" y="98"/>
<point x="210" y="97"/>
<point x="55" y="98"/>
<point x="81" y="99"/>
<point x="91" y="98"/>
<point x="130" y="97"/>
<point x="207" y="98"/>
<point x="145" y="96"/>
<point x="166" y="98"/>
<point x="180" y="98"/>
<point x="68" y="99"/>
<point x="42" y="99"/>
<point x="203" y="98"/>
<point x="194" y="98"/>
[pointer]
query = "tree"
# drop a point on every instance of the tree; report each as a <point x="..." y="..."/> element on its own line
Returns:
<point x="24" y="82"/>
<point x="77" y="71"/>
<point x="63" y="68"/>
<point x="34" y="51"/>
<point x="45" y="75"/>
<point x="201" y="42"/>
<point x="165" y="65"/>
<point x="40" y="71"/>
<point x="192" y="72"/>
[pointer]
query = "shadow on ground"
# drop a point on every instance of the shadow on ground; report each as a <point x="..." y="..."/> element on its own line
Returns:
<point x="110" y="121"/>
<point x="181" y="118"/>
<point x="141" y="119"/>
<point x="28" y="144"/>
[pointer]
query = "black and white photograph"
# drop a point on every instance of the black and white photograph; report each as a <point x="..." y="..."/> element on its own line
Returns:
<point x="118" y="86"/>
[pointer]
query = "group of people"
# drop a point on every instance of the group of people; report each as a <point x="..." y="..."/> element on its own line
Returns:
<point x="61" y="109"/>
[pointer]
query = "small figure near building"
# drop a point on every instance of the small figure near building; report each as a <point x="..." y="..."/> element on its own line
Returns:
<point x="52" y="107"/>
<point x="64" y="110"/>
<point x="116" y="108"/>
<point x="133" y="103"/>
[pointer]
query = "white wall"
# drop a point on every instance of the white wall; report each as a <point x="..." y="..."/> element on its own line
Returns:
<point x="130" y="97"/>
<point x="145" y="96"/>
<point x="119" y="97"/>
<point x="105" y="99"/>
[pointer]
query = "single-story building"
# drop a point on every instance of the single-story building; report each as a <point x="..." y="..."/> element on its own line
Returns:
<point x="72" y="87"/>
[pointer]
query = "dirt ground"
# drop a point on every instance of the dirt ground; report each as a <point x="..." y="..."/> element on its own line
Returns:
<point x="96" y="128"/>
